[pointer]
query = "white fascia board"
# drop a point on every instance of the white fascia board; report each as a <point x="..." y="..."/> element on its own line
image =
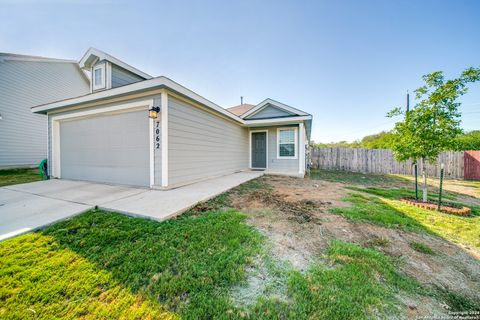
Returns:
<point x="277" y="104"/>
<point x="159" y="82"/>
<point x="276" y="121"/>
<point x="105" y="56"/>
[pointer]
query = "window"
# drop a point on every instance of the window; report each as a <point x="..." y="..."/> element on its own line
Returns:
<point x="287" y="143"/>
<point x="98" y="77"/>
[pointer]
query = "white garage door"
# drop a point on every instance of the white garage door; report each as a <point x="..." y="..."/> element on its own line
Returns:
<point x="107" y="148"/>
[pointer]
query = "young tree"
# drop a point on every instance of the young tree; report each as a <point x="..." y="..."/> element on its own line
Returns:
<point x="434" y="123"/>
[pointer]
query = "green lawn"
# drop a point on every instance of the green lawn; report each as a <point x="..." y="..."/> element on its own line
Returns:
<point x="103" y="265"/>
<point x="16" y="176"/>
<point x="382" y="206"/>
<point x="106" y="265"/>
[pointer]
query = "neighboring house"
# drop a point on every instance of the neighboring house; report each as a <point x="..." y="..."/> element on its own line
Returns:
<point x="27" y="81"/>
<point x="110" y="136"/>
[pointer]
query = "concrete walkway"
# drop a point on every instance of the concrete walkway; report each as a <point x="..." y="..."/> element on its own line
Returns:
<point x="30" y="206"/>
<point x="161" y="205"/>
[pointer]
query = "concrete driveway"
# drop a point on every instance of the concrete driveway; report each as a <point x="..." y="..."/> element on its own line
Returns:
<point x="30" y="206"/>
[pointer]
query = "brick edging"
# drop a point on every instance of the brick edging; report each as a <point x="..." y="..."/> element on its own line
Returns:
<point x="464" y="211"/>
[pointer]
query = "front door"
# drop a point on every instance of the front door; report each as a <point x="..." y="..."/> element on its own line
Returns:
<point x="259" y="150"/>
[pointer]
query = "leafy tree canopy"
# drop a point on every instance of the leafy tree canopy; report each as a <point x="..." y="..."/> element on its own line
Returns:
<point x="384" y="140"/>
<point x="433" y="125"/>
<point x="468" y="141"/>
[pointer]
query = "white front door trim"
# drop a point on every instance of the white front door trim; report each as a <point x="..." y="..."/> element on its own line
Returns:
<point x="125" y="107"/>
<point x="250" y="149"/>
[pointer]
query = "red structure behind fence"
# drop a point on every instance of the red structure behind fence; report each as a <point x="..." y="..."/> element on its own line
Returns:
<point x="471" y="160"/>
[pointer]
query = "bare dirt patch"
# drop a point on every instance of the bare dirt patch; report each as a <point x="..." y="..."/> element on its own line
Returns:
<point x="291" y="215"/>
<point x="295" y="215"/>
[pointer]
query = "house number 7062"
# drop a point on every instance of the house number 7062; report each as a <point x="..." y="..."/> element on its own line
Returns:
<point x="157" y="135"/>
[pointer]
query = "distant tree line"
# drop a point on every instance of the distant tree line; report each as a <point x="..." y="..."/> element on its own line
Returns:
<point x="384" y="140"/>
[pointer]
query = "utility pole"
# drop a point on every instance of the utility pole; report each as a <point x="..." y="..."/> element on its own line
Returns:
<point x="408" y="101"/>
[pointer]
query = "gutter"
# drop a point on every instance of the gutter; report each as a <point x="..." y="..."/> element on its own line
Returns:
<point x="155" y="83"/>
<point x="160" y="83"/>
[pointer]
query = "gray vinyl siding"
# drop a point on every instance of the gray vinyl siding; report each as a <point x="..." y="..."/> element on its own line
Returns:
<point x="24" y="84"/>
<point x="202" y="145"/>
<point x="274" y="165"/>
<point x="270" y="112"/>
<point x="121" y="77"/>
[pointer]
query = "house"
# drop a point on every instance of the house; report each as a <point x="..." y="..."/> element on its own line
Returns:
<point x="133" y="129"/>
<point x="27" y="81"/>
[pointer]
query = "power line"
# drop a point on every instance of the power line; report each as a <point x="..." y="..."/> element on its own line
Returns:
<point x="393" y="121"/>
<point x="470" y="104"/>
<point x="369" y="128"/>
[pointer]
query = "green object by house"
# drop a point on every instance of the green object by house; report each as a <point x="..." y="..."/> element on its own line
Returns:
<point x="43" y="169"/>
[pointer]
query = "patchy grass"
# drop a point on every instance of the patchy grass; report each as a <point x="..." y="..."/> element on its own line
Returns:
<point x="382" y="207"/>
<point x="205" y="265"/>
<point x="15" y="176"/>
<point x="465" y="187"/>
<point x="358" y="178"/>
<point x="103" y="262"/>
<point x="394" y="214"/>
<point x="421" y="247"/>
<point x="105" y="265"/>
<point x="358" y="283"/>
<point x="255" y="184"/>
<point x="451" y="187"/>
<point x="457" y="229"/>
<point x="455" y="301"/>
<point x="397" y="194"/>
<point x="379" y="242"/>
<point x="376" y="210"/>
<point x="222" y="201"/>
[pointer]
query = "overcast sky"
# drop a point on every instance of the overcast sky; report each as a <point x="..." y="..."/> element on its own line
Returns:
<point x="345" y="62"/>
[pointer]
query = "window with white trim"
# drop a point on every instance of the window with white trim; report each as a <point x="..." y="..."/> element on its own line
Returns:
<point x="98" y="77"/>
<point x="287" y="143"/>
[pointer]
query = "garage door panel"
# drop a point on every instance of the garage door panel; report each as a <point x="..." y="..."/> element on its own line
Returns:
<point x="108" y="148"/>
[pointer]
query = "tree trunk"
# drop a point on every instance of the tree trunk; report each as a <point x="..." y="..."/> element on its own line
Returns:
<point x="424" y="176"/>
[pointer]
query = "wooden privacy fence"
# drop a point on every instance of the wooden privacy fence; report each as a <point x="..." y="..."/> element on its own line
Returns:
<point x="382" y="161"/>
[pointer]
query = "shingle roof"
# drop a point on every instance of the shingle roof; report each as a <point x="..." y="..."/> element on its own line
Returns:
<point x="240" y="109"/>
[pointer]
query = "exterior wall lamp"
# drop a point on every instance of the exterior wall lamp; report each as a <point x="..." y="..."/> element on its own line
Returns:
<point x="153" y="112"/>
